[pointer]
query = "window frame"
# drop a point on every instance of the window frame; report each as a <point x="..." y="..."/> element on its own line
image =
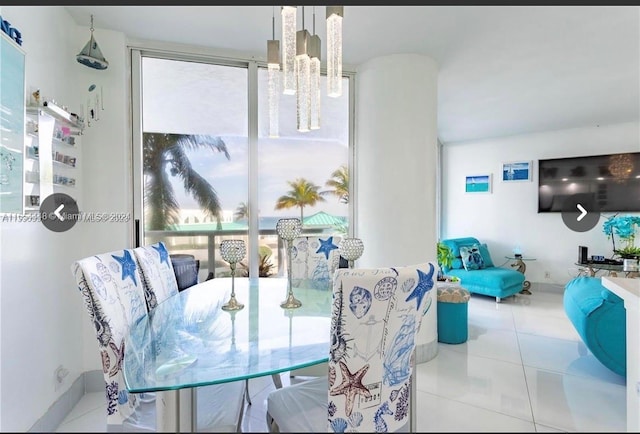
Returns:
<point x="136" y="51"/>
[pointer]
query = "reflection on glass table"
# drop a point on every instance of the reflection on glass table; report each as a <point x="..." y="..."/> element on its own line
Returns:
<point x="520" y="266"/>
<point x="612" y="270"/>
<point x="189" y="340"/>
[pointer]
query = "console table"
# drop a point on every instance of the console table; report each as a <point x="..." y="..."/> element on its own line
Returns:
<point x="629" y="291"/>
<point x="612" y="269"/>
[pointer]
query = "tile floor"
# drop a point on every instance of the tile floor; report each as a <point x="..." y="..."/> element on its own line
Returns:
<point x="524" y="368"/>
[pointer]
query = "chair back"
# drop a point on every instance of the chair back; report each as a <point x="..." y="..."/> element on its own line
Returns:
<point x="112" y="290"/>
<point x="314" y="261"/>
<point x="157" y="273"/>
<point x="376" y="314"/>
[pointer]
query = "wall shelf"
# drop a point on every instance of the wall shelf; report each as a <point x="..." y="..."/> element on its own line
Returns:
<point x="57" y="113"/>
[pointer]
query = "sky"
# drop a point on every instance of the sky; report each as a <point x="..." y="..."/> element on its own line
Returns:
<point x="196" y="98"/>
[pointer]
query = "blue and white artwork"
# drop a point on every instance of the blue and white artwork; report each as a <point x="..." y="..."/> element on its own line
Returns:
<point x="516" y="171"/>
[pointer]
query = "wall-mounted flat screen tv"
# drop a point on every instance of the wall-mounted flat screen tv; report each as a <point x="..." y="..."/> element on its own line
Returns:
<point x="610" y="182"/>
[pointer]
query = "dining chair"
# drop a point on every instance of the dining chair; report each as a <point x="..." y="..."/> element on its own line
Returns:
<point x="157" y="272"/>
<point x="113" y="292"/>
<point x="376" y="315"/>
<point x="161" y="279"/>
<point x="314" y="261"/>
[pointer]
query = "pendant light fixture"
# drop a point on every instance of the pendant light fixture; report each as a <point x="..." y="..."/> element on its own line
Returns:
<point x="91" y="55"/>
<point x="334" y="50"/>
<point x="273" y="72"/>
<point x="289" y="21"/>
<point x="303" y="79"/>
<point x="314" y="92"/>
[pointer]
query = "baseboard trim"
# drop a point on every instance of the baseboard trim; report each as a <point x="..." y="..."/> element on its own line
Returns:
<point x="426" y="352"/>
<point x="87" y="382"/>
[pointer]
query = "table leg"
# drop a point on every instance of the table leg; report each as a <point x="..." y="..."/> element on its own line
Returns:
<point x="176" y="411"/>
<point x="522" y="268"/>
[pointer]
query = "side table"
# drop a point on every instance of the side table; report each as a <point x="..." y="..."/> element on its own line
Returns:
<point x="520" y="266"/>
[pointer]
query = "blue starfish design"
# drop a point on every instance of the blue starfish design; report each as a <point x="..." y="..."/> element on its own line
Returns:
<point x="162" y="251"/>
<point x="326" y="246"/>
<point x="128" y="266"/>
<point x="424" y="285"/>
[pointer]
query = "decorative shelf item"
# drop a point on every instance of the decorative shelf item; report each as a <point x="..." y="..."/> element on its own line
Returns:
<point x="233" y="251"/>
<point x="57" y="112"/>
<point x="50" y="128"/>
<point x="288" y="229"/>
<point x="351" y="249"/>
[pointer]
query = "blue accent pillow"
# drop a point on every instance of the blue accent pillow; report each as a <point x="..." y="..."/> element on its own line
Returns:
<point x="471" y="257"/>
<point x="486" y="257"/>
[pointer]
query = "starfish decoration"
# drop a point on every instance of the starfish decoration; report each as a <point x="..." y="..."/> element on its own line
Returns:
<point x="351" y="386"/>
<point x="128" y="266"/>
<point x="424" y="285"/>
<point x="162" y="251"/>
<point x="326" y="246"/>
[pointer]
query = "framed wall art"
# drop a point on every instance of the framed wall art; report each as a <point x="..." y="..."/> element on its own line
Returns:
<point x="516" y="171"/>
<point x="478" y="184"/>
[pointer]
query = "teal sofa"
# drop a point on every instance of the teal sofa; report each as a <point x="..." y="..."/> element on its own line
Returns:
<point x="599" y="317"/>
<point x="490" y="280"/>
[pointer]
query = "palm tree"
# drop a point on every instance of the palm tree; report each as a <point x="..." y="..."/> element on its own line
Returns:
<point x="241" y="212"/>
<point x="160" y="150"/>
<point x="339" y="182"/>
<point x="303" y="193"/>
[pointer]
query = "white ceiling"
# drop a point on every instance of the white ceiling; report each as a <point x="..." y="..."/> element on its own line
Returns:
<point x="504" y="70"/>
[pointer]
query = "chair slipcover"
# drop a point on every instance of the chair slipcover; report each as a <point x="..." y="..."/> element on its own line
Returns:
<point x="157" y="272"/>
<point x="375" y="318"/>
<point x="314" y="261"/>
<point x="114" y="294"/>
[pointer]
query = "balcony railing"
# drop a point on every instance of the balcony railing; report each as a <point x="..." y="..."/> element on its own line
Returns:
<point x="210" y="240"/>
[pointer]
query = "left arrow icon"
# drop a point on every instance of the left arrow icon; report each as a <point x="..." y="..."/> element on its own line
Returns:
<point x="583" y="212"/>
<point x="61" y="217"/>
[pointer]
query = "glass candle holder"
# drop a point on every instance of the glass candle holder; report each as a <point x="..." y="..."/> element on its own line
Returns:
<point x="288" y="229"/>
<point x="351" y="249"/>
<point x="233" y="251"/>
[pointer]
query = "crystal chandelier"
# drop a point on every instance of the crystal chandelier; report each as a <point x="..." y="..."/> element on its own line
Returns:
<point x="301" y="66"/>
<point x="621" y="167"/>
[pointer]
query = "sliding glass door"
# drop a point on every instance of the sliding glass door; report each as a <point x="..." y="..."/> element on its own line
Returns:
<point x="205" y="169"/>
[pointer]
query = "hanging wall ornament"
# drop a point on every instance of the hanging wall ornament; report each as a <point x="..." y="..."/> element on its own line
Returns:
<point x="91" y="55"/>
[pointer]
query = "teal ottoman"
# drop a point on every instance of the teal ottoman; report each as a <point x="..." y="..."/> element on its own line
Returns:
<point x="453" y="304"/>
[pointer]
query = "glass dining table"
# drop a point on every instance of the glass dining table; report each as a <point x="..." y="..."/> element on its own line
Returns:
<point x="189" y="341"/>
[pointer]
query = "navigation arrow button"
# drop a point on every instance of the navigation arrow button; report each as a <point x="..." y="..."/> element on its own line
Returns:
<point x="583" y="212"/>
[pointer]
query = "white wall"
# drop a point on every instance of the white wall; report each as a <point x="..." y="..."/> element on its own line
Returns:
<point x="508" y="216"/>
<point x="43" y="322"/>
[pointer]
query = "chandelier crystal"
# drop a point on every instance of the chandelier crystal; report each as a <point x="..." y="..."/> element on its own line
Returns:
<point x="314" y="92"/>
<point x="334" y="50"/>
<point x="273" y="81"/>
<point x="289" y="49"/>
<point x="303" y="81"/>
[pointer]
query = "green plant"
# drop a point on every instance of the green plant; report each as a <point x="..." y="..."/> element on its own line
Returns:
<point x="265" y="266"/>
<point x="444" y="255"/>
<point x="445" y="259"/>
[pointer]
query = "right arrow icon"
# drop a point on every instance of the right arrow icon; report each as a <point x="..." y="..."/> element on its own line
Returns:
<point x="583" y="212"/>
